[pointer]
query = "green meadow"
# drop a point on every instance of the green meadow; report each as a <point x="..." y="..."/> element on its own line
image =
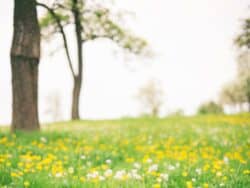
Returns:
<point x="199" y="152"/>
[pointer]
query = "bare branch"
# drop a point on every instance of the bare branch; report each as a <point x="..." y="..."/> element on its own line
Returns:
<point x="62" y="32"/>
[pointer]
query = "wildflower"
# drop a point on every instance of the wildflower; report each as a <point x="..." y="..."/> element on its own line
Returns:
<point x="137" y="165"/>
<point x="83" y="157"/>
<point x="108" y="173"/>
<point x="82" y="179"/>
<point x="246" y="172"/>
<point x="184" y="174"/>
<point x="134" y="174"/>
<point x="26" y="184"/>
<point x="157" y="185"/>
<point x="108" y="161"/>
<point x="198" y="171"/>
<point x="189" y="184"/>
<point x="58" y="175"/>
<point x="218" y="174"/>
<point x="153" y="168"/>
<point x="205" y="185"/>
<point x="171" y="167"/>
<point x="120" y="175"/>
<point x="71" y="170"/>
<point x="164" y="176"/>
<point x="226" y="160"/>
<point x="43" y="139"/>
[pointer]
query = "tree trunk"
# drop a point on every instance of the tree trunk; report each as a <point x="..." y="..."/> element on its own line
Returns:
<point x="77" y="79"/>
<point x="25" y="55"/>
<point x="75" y="115"/>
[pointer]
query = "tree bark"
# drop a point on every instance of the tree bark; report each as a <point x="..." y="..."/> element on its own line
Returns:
<point x="75" y="115"/>
<point x="77" y="79"/>
<point x="25" y="55"/>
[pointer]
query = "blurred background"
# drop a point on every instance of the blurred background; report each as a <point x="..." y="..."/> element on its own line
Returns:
<point x="192" y="57"/>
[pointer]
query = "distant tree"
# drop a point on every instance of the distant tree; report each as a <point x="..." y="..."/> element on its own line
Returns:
<point x="244" y="75"/>
<point x="210" y="108"/>
<point x="178" y="112"/>
<point x="25" y="55"/>
<point x="151" y="97"/>
<point x="232" y="94"/>
<point x="238" y="91"/>
<point x="91" y="21"/>
<point x="53" y="106"/>
<point x="243" y="39"/>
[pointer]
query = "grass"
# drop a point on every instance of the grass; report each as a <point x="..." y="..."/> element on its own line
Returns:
<point x="202" y="151"/>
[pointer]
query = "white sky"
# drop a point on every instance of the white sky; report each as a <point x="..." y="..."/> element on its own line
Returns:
<point x="194" y="58"/>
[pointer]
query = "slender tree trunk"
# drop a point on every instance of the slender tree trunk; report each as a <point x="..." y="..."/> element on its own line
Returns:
<point x="77" y="79"/>
<point x="25" y="55"/>
<point x="248" y="104"/>
<point x="76" y="99"/>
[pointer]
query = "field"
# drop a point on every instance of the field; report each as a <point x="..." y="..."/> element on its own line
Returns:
<point x="202" y="151"/>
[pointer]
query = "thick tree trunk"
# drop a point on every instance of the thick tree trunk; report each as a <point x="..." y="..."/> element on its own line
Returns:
<point x="75" y="115"/>
<point x="25" y="55"/>
<point x="77" y="79"/>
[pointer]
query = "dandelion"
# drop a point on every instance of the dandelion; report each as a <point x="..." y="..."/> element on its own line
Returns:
<point x="157" y="185"/>
<point x="26" y="184"/>
<point x="189" y="184"/>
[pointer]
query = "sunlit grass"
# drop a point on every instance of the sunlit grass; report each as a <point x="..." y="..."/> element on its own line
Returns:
<point x="204" y="151"/>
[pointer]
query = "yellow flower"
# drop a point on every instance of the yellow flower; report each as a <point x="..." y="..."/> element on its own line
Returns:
<point x="189" y="184"/>
<point x="218" y="174"/>
<point x="205" y="185"/>
<point x="26" y="184"/>
<point x="157" y="185"/>
<point x="246" y="172"/>
<point x="130" y="160"/>
<point x="82" y="179"/>
<point x="184" y="174"/>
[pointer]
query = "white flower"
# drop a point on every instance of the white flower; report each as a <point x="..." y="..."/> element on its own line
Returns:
<point x="226" y="160"/>
<point x="43" y="139"/>
<point x="164" y="176"/>
<point x="149" y="161"/>
<point x="93" y="175"/>
<point x="198" y="171"/>
<point x="120" y="174"/>
<point x="108" y="161"/>
<point x="193" y="180"/>
<point x="101" y="178"/>
<point x="108" y="173"/>
<point x="171" y="167"/>
<point x="71" y="170"/>
<point x="137" y="165"/>
<point x="153" y="168"/>
<point x="83" y="157"/>
<point x="134" y="174"/>
<point x="58" y="175"/>
<point x="159" y="180"/>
